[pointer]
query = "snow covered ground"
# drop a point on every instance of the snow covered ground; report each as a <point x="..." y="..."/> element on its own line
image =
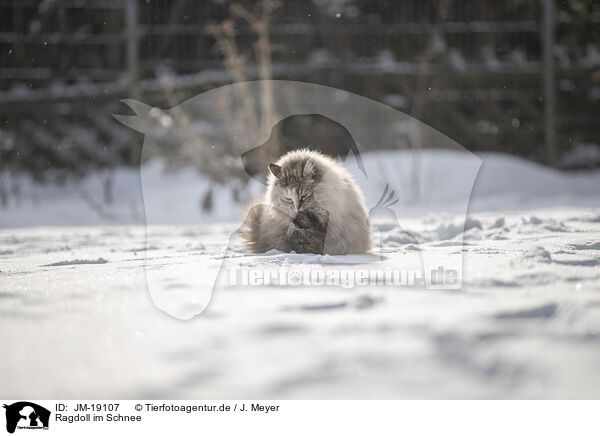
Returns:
<point x="77" y="320"/>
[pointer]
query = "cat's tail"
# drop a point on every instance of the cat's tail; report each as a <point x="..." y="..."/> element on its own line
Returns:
<point x="250" y="231"/>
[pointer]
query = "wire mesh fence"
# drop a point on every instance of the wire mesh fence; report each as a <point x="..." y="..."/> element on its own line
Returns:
<point x="473" y="70"/>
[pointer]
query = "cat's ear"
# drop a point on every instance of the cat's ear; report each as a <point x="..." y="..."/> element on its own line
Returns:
<point x="309" y="170"/>
<point x="275" y="169"/>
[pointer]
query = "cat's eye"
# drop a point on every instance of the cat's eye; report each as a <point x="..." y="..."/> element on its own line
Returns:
<point x="288" y="199"/>
<point x="303" y="196"/>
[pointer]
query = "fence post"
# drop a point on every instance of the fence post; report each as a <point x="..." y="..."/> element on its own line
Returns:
<point x="131" y="20"/>
<point x="548" y="72"/>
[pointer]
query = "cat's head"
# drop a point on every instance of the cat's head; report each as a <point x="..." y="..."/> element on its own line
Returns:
<point x="292" y="185"/>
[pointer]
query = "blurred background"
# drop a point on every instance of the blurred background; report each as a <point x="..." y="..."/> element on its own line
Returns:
<point x="517" y="82"/>
<point x="515" y="76"/>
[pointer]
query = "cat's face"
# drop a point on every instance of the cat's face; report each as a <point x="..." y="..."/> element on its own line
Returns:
<point x="294" y="186"/>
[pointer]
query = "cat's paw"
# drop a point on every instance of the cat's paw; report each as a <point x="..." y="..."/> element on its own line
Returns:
<point x="304" y="220"/>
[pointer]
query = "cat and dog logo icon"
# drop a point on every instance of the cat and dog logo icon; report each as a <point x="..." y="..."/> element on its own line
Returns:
<point x="26" y="415"/>
<point x="410" y="170"/>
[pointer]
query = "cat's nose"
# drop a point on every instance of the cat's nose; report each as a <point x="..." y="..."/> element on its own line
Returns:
<point x="296" y="202"/>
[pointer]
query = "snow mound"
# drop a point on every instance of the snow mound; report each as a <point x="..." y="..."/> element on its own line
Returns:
<point x="504" y="183"/>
